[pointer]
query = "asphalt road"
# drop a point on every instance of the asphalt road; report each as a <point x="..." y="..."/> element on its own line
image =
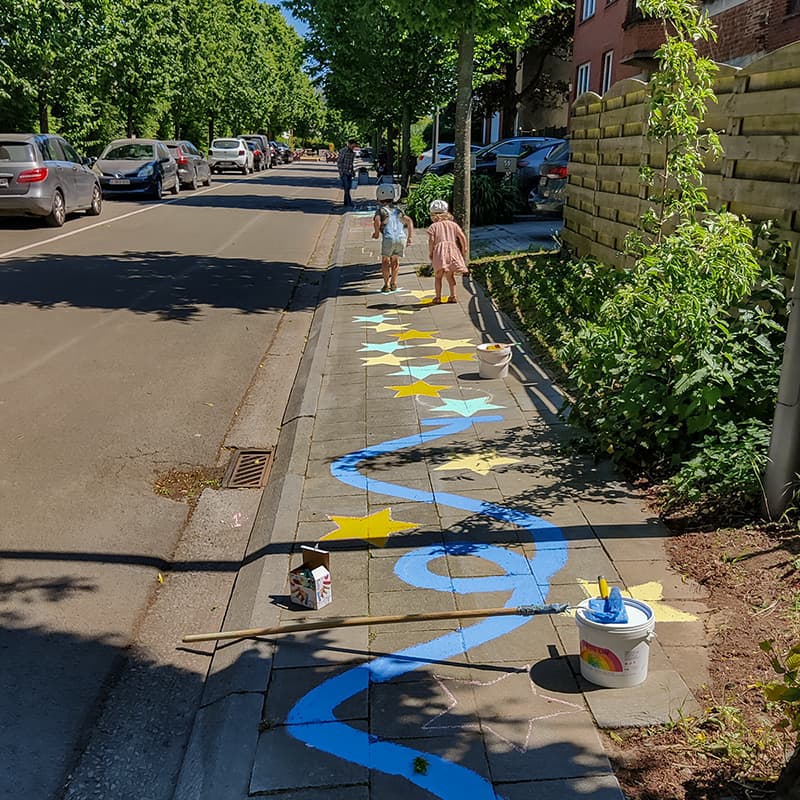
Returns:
<point x="127" y="343"/>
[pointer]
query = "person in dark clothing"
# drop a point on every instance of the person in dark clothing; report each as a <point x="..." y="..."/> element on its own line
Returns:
<point x="347" y="172"/>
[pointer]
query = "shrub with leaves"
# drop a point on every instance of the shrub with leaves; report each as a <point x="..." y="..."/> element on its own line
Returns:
<point x="430" y="188"/>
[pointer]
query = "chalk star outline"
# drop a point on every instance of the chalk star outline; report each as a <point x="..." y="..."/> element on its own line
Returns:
<point x="481" y="725"/>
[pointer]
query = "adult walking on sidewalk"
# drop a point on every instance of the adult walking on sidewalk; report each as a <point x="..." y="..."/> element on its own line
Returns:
<point x="347" y="172"/>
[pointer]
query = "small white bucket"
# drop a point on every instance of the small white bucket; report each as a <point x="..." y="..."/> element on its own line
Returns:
<point x="616" y="655"/>
<point x="493" y="360"/>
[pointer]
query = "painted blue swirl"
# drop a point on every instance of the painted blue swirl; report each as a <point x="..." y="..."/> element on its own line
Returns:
<point x="313" y="720"/>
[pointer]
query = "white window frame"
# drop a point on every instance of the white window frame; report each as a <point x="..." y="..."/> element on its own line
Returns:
<point x="607" y="73"/>
<point x="582" y="78"/>
<point x="587" y="9"/>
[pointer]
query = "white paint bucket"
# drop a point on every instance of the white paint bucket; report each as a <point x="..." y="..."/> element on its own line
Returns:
<point x="616" y="655"/>
<point x="493" y="360"/>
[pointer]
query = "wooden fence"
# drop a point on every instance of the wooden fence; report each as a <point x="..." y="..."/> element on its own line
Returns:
<point x="758" y="118"/>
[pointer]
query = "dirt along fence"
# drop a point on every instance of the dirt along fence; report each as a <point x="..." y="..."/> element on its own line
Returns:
<point x="758" y="118"/>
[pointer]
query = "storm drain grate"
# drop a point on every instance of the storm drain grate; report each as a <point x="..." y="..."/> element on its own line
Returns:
<point x="249" y="469"/>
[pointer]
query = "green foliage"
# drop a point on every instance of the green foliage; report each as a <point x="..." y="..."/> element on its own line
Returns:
<point x="492" y="201"/>
<point x="430" y="188"/>
<point x="784" y="692"/>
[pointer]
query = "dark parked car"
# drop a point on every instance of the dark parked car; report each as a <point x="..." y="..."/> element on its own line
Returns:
<point x="42" y="176"/>
<point x="137" y="166"/>
<point x="283" y="152"/>
<point x="528" y="151"/>
<point x="193" y="168"/>
<point x="548" y="197"/>
<point x="259" y="160"/>
<point x="263" y="146"/>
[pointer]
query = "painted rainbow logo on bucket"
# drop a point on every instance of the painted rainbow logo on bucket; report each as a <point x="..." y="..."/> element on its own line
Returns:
<point x="600" y="658"/>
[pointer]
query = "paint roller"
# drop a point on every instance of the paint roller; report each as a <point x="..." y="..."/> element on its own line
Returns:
<point x="352" y="622"/>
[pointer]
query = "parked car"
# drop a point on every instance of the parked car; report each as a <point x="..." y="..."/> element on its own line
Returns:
<point x="283" y="152"/>
<point x="446" y="151"/>
<point x="259" y="159"/>
<point x="263" y="145"/>
<point x="43" y="176"/>
<point x="193" y="166"/>
<point x="529" y="152"/>
<point x="548" y="197"/>
<point x="137" y="166"/>
<point x="230" y="153"/>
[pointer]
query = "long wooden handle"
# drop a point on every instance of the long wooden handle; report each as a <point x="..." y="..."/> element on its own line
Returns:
<point x="350" y="622"/>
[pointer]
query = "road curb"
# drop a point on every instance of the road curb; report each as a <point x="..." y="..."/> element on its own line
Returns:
<point x="221" y="751"/>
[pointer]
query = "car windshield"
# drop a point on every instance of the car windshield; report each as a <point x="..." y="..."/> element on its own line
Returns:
<point x="16" y="151"/>
<point x="129" y="152"/>
<point x="226" y="144"/>
<point x="559" y="152"/>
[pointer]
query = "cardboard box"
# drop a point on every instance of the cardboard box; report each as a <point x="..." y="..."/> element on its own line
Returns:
<point x="310" y="583"/>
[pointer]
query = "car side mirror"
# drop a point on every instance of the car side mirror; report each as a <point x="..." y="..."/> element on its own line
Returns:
<point x="89" y="161"/>
<point x="164" y="160"/>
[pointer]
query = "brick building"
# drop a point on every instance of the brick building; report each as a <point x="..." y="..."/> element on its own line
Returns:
<point x="613" y="41"/>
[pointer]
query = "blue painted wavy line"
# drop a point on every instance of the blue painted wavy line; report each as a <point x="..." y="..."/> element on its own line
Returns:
<point x="312" y="720"/>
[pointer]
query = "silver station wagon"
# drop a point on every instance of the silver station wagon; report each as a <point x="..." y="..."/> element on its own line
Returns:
<point x="42" y="175"/>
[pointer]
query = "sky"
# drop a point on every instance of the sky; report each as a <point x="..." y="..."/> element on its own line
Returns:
<point x="297" y="24"/>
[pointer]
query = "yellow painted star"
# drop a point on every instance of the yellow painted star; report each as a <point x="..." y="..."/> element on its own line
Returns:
<point x="373" y="529"/>
<point x="446" y="357"/>
<point x="388" y="326"/>
<point x="413" y="334"/>
<point x="389" y="359"/>
<point x="418" y="388"/>
<point x="420" y="295"/>
<point x="481" y="463"/>
<point x="449" y="344"/>
<point x="650" y="593"/>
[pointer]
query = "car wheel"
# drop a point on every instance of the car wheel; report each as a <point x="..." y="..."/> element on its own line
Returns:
<point x="97" y="203"/>
<point x="177" y="187"/>
<point x="207" y="181"/>
<point x="193" y="184"/>
<point x="158" y="189"/>
<point x="244" y="170"/>
<point x="58" y="213"/>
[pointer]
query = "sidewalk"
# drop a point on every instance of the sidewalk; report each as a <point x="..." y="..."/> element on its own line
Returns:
<point x="433" y="490"/>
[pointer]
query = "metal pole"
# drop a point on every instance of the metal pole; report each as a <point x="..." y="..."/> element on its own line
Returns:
<point x="435" y="136"/>
<point x="783" y="463"/>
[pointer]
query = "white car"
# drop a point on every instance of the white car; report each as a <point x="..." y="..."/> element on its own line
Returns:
<point x="230" y="153"/>
<point x="446" y="152"/>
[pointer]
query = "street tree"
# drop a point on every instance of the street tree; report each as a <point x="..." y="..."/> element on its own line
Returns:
<point x="461" y="21"/>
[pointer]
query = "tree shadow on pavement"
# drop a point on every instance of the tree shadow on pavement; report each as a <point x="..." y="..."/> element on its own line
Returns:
<point x="166" y="284"/>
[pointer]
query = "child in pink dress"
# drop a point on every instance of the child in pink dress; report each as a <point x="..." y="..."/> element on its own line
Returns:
<point x="447" y="248"/>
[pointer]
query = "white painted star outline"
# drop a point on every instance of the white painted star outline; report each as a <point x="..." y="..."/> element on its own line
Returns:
<point x="569" y="708"/>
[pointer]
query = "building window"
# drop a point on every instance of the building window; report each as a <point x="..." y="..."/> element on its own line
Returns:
<point x="794" y="7"/>
<point x="587" y="9"/>
<point x="582" y="79"/>
<point x="608" y="69"/>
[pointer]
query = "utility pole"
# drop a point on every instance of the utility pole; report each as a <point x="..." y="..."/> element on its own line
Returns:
<point x="435" y="157"/>
<point x="783" y="463"/>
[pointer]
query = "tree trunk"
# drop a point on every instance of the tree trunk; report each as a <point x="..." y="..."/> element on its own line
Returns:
<point x="44" y="113"/>
<point x="788" y="787"/>
<point x="210" y="129"/>
<point x="391" y="137"/>
<point x="406" y="157"/>
<point x="510" y="99"/>
<point x="463" y="137"/>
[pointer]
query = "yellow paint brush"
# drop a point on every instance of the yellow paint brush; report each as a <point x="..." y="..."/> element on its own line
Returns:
<point x="602" y="585"/>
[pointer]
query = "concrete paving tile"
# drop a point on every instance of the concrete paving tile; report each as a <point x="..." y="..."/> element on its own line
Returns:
<point x="420" y="602"/>
<point x="468" y="565"/>
<point x="633" y="542"/>
<point x="674" y="585"/>
<point x="328" y="486"/>
<point x="318" y="509"/>
<point x="404" y="418"/>
<point x="593" y="787"/>
<point x="386" y="430"/>
<point x="349" y="599"/>
<point x="663" y="697"/>
<point x="310" y="533"/>
<point x="419" y="709"/>
<point x="586" y="563"/>
<point x="691" y="663"/>
<point x="336" y="431"/>
<point x="460" y="481"/>
<point x="382" y="577"/>
<point x="564" y="746"/>
<point x="287" y="686"/>
<point x="474" y="531"/>
<point x="466" y="750"/>
<point x="321" y="648"/>
<point x="394" y="407"/>
<point x="527" y="644"/>
<point x="400" y="544"/>
<point x="283" y="762"/>
<point x="423" y="514"/>
<point x="417" y="484"/>
<point x="358" y="792"/>
<point x="331" y="450"/>
<point x="391" y="639"/>
<point x="682" y="634"/>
